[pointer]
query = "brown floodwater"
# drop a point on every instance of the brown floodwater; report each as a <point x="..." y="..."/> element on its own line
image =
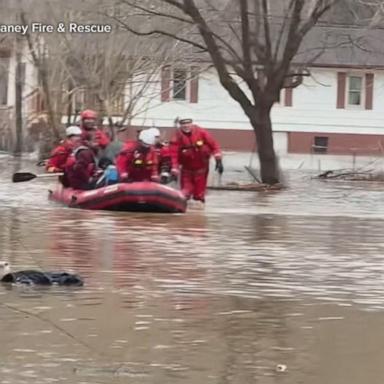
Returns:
<point x="280" y="287"/>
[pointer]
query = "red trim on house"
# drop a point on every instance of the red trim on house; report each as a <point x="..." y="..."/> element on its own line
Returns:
<point x="369" y="80"/>
<point x="288" y="97"/>
<point x="194" y="85"/>
<point x="341" y="88"/>
<point x="298" y="142"/>
<point x="166" y="83"/>
<point x="338" y="143"/>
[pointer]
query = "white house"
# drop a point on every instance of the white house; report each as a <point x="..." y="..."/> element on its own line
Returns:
<point x="338" y="110"/>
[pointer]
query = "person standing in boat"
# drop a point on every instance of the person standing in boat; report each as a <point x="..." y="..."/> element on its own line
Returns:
<point x="88" y="123"/>
<point x="59" y="156"/>
<point x="192" y="147"/>
<point x="81" y="166"/>
<point x="137" y="160"/>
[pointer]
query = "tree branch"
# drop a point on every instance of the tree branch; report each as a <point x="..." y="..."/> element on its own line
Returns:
<point x="245" y="32"/>
<point x="226" y="80"/>
<point x="267" y="32"/>
<point x="159" y="32"/>
<point x="155" y="13"/>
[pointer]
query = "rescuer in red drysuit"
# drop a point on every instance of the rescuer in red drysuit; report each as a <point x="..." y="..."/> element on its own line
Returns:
<point x="88" y="122"/>
<point x="137" y="160"/>
<point x="192" y="147"/>
<point x="167" y="167"/>
<point x="59" y="156"/>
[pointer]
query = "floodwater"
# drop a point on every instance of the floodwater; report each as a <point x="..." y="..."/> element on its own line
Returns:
<point x="268" y="288"/>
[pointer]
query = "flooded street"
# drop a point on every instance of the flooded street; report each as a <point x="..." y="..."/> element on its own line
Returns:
<point x="279" y="287"/>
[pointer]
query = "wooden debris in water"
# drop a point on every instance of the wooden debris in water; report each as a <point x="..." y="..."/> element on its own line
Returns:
<point x="351" y="175"/>
<point x="247" y="187"/>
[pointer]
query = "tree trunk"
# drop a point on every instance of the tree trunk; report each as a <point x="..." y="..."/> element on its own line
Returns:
<point x="52" y="118"/>
<point x="111" y="128"/>
<point x="46" y="140"/>
<point x="260" y="117"/>
<point x="19" y="99"/>
<point x="41" y="66"/>
<point x="70" y="102"/>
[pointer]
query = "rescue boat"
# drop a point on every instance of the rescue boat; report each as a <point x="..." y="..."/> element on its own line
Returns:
<point x="134" y="197"/>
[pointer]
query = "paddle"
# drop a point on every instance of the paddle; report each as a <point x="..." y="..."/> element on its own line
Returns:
<point x="20" y="177"/>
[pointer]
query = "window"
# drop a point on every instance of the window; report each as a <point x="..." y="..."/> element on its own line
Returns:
<point x="179" y="84"/>
<point x="285" y="97"/>
<point x="355" y="90"/>
<point x="320" y="144"/>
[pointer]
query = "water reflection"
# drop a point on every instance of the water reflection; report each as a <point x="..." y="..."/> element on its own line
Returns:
<point x="216" y="296"/>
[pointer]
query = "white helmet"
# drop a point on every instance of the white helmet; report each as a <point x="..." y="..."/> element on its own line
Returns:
<point x="73" y="130"/>
<point x="154" y="131"/>
<point x="147" y="137"/>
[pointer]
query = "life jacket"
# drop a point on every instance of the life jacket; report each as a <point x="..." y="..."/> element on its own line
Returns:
<point x="140" y="165"/>
<point x="59" y="155"/>
<point x="193" y="150"/>
<point x="142" y="159"/>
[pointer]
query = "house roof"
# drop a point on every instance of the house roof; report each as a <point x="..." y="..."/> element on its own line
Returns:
<point x="343" y="47"/>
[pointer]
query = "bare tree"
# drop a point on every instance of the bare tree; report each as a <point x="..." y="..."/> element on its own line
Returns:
<point x="253" y="45"/>
<point x="115" y="71"/>
<point x="110" y="72"/>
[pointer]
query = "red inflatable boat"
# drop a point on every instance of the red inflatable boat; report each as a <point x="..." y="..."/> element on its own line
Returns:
<point x="134" y="197"/>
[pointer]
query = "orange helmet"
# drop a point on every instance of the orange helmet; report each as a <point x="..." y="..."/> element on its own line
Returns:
<point x="88" y="114"/>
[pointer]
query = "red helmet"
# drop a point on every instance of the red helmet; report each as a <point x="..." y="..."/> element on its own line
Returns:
<point x="88" y="114"/>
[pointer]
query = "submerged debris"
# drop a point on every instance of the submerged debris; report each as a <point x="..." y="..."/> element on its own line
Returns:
<point x="248" y="187"/>
<point x="351" y="175"/>
<point x="281" y="368"/>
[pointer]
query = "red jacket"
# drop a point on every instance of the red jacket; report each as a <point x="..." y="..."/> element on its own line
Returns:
<point x="164" y="157"/>
<point x="193" y="150"/>
<point x="59" y="156"/>
<point x="135" y="164"/>
<point x="101" y="138"/>
<point x="80" y="168"/>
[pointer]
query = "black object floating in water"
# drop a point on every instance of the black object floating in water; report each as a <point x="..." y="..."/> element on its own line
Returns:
<point x="38" y="278"/>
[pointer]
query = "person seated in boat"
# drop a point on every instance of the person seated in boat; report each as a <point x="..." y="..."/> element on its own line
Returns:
<point x="137" y="160"/>
<point x="81" y="168"/>
<point x="115" y="146"/>
<point x="59" y="156"/>
<point x="110" y="175"/>
<point x="166" y="165"/>
<point x="36" y="277"/>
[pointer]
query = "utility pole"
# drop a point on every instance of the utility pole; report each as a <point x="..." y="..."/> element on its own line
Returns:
<point x="19" y="96"/>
